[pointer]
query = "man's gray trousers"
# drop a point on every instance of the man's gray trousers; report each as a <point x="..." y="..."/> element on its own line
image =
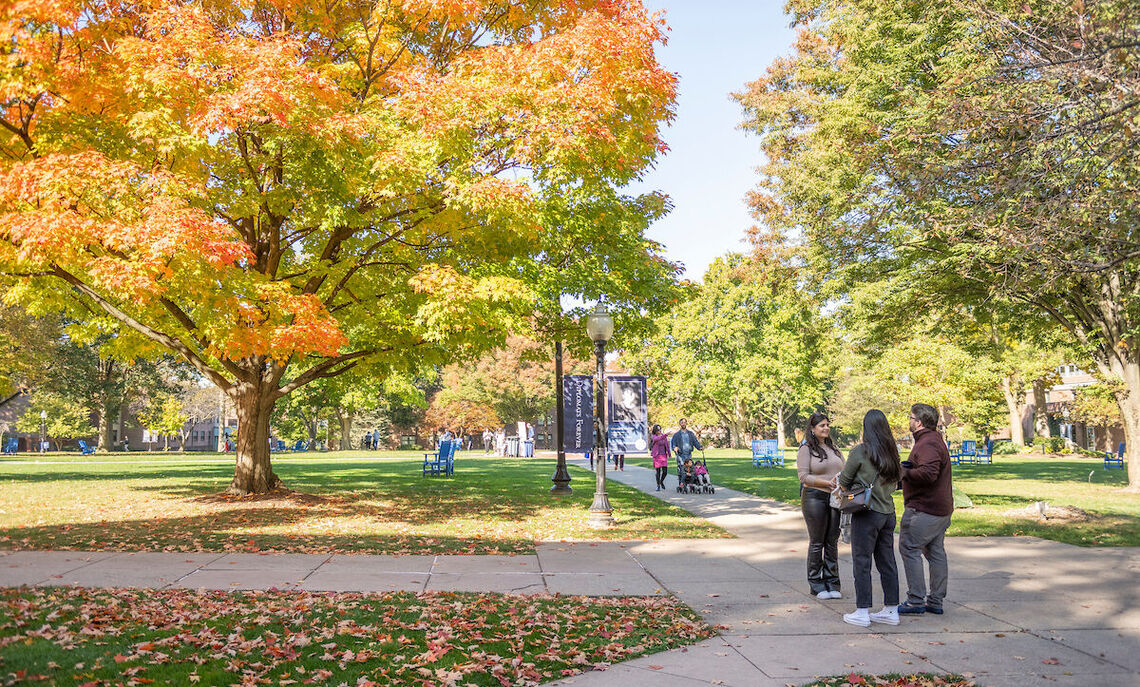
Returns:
<point x="922" y="534"/>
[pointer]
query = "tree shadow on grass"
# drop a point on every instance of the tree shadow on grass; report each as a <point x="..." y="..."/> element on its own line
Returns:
<point x="1056" y="471"/>
<point x="211" y="533"/>
<point x="484" y="498"/>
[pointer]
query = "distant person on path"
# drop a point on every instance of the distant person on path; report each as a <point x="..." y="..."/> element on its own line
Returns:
<point x="928" y="503"/>
<point x="375" y="439"/>
<point x="488" y="442"/>
<point x="366" y="442"/>
<point x="444" y="435"/>
<point x="659" y="450"/>
<point x="818" y="464"/>
<point x="875" y="462"/>
<point x="684" y="443"/>
<point x="619" y="461"/>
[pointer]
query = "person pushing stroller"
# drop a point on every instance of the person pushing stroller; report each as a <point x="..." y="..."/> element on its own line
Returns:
<point x="683" y="443"/>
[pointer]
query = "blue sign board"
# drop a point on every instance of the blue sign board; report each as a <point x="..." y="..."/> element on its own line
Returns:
<point x="627" y="414"/>
<point x="577" y="413"/>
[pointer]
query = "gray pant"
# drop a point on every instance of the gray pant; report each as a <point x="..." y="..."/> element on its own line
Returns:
<point x="922" y="534"/>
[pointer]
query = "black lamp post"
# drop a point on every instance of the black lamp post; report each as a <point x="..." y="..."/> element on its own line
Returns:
<point x="561" y="476"/>
<point x="600" y="327"/>
<point x="43" y="428"/>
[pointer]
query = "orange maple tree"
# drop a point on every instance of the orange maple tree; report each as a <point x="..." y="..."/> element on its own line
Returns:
<point x="284" y="191"/>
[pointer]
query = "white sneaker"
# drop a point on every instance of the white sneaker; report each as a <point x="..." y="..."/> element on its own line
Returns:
<point x="860" y="617"/>
<point x="888" y="616"/>
<point x="835" y="594"/>
<point x="823" y="595"/>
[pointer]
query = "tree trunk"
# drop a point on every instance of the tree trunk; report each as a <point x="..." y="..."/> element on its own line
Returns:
<point x="781" y="438"/>
<point x="107" y="409"/>
<point x="736" y="427"/>
<point x="104" y="439"/>
<point x="1012" y="404"/>
<point x="253" y="473"/>
<point x="167" y="446"/>
<point x="1128" y="398"/>
<point x="1040" y="405"/>
<point x="345" y="420"/>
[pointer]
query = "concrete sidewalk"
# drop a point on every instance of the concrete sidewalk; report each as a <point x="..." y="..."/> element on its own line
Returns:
<point x="1020" y="612"/>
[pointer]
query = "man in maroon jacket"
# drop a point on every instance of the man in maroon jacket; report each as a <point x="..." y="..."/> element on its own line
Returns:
<point x="928" y="501"/>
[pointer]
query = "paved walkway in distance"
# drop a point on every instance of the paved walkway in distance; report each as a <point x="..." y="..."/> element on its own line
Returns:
<point x="1020" y="612"/>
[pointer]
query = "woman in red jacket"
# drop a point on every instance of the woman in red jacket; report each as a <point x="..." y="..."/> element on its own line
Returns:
<point x="659" y="450"/>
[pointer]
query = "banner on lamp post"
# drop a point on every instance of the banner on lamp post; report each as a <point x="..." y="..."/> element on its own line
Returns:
<point x="577" y="413"/>
<point x="627" y="412"/>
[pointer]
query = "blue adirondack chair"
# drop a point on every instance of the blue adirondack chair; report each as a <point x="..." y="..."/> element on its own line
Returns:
<point x="11" y="444"/>
<point x="441" y="462"/>
<point x="759" y="453"/>
<point x="984" y="455"/>
<point x="766" y="454"/>
<point x="1114" y="461"/>
<point x="775" y="454"/>
<point x="300" y="446"/>
<point x="969" y="452"/>
<point x="84" y="449"/>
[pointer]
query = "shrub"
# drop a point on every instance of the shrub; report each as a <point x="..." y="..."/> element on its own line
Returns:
<point x="1050" y="444"/>
<point x="1005" y="448"/>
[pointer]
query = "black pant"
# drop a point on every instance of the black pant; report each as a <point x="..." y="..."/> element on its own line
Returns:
<point x="873" y="535"/>
<point x="661" y="472"/>
<point x="823" y="532"/>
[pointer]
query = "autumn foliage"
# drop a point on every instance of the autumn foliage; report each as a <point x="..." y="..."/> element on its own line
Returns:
<point x="285" y="191"/>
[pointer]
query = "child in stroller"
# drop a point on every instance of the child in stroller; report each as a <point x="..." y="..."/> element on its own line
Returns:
<point x="701" y="471"/>
<point x="693" y="478"/>
<point x="687" y="478"/>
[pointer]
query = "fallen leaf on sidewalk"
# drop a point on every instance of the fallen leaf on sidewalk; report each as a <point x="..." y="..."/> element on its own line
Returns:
<point x="656" y="667"/>
<point x="1051" y="662"/>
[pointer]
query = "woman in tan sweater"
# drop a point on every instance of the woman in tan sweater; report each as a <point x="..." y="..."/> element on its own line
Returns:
<point x="818" y="463"/>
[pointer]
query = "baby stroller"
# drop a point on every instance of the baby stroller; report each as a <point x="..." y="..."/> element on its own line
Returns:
<point x="693" y="478"/>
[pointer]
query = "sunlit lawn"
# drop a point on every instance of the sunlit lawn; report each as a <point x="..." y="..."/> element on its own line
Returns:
<point x="362" y="502"/>
<point x="1011" y="483"/>
<point x="75" y="636"/>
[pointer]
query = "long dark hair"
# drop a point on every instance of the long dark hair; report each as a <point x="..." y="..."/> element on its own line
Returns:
<point x="814" y="449"/>
<point x="880" y="445"/>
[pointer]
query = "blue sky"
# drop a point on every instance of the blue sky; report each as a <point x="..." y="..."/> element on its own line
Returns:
<point x="715" y="46"/>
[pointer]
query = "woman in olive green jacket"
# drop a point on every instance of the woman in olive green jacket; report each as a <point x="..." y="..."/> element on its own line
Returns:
<point x="874" y="462"/>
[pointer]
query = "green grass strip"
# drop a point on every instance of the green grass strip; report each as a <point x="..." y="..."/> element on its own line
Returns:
<point x="75" y="636"/>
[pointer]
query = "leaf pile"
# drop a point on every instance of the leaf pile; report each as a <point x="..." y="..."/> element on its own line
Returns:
<point x="893" y="680"/>
<point x="89" y="637"/>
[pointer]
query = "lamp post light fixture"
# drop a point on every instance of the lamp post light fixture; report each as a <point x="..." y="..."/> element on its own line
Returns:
<point x="600" y="327"/>
<point x="43" y="429"/>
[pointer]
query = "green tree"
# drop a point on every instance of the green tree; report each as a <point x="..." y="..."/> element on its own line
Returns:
<point x="988" y="149"/>
<point x="66" y="419"/>
<point x="751" y="347"/>
<point x="164" y="415"/>
<point x="1096" y="405"/>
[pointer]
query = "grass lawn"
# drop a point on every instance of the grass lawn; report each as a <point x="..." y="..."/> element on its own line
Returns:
<point x="73" y="636"/>
<point x="1012" y="483"/>
<point x="357" y="501"/>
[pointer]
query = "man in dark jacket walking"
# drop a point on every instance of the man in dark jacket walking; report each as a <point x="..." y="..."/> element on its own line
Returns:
<point x="928" y="500"/>
<point x="683" y="443"/>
